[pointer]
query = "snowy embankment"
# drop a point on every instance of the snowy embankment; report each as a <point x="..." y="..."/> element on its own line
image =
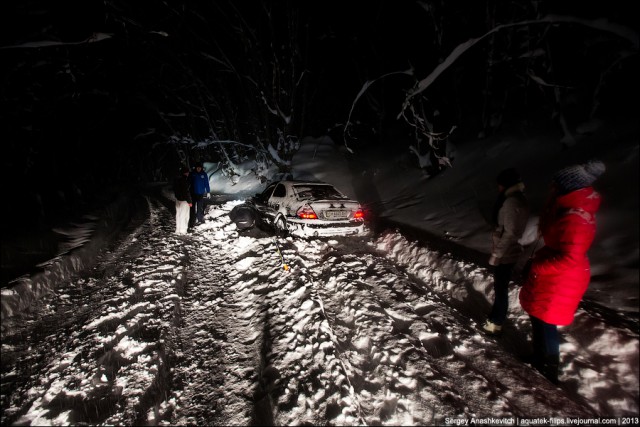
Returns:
<point x="585" y="344"/>
<point x="84" y="243"/>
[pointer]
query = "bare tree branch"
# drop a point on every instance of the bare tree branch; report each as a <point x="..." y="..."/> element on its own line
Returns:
<point x="599" y="24"/>
<point x="364" y="88"/>
<point x="95" y="37"/>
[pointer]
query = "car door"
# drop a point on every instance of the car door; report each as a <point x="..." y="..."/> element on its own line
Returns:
<point x="261" y="202"/>
<point x="278" y="198"/>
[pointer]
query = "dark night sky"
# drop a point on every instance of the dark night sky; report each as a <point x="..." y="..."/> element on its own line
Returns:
<point x="72" y="112"/>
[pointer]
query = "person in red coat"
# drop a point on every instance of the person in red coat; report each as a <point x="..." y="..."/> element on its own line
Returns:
<point x="560" y="271"/>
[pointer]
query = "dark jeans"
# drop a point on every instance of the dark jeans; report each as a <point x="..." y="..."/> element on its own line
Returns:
<point x="546" y="349"/>
<point x="501" y="279"/>
<point x="197" y="209"/>
<point x="546" y="340"/>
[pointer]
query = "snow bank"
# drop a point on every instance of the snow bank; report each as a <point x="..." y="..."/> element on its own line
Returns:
<point x="25" y="290"/>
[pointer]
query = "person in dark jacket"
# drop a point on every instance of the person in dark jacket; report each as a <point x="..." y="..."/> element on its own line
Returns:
<point x="183" y="200"/>
<point x="560" y="272"/>
<point x="199" y="190"/>
<point x="510" y="215"/>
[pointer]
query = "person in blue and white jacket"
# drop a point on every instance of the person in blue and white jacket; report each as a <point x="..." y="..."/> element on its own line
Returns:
<point x="199" y="190"/>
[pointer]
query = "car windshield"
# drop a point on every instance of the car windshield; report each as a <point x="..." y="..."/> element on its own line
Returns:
<point x="320" y="191"/>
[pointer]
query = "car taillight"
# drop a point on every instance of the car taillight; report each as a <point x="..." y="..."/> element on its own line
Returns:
<point x="358" y="214"/>
<point x="306" y="212"/>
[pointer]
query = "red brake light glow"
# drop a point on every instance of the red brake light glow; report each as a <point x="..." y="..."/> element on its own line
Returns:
<point x="358" y="214"/>
<point x="306" y="212"/>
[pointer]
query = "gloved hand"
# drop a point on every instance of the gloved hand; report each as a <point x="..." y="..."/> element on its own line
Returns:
<point x="493" y="260"/>
<point x="207" y="195"/>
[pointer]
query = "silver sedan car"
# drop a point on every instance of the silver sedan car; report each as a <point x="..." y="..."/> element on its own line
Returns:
<point x="308" y="209"/>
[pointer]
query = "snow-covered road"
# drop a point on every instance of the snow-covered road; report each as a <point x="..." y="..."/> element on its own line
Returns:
<point x="209" y="328"/>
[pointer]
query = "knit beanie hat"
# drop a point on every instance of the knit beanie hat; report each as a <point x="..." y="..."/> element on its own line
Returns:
<point x="578" y="176"/>
<point x="508" y="177"/>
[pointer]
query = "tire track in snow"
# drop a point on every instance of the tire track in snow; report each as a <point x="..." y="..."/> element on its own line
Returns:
<point x="218" y="340"/>
<point x="411" y="339"/>
<point x="393" y="350"/>
<point x="392" y="355"/>
<point x="290" y="370"/>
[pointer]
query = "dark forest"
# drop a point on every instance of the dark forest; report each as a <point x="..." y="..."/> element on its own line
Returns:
<point x="100" y="94"/>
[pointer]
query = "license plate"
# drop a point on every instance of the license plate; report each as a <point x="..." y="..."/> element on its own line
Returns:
<point x="342" y="214"/>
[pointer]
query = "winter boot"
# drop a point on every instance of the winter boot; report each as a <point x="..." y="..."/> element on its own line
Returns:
<point x="533" y="360"/>
<point x="491" y="328"/>
<point x="551" y="368"/>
